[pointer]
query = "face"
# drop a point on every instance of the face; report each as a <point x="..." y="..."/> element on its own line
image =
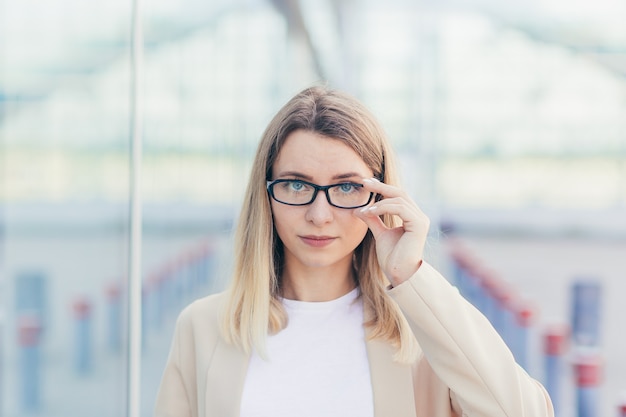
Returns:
<point x="318" y="235"/>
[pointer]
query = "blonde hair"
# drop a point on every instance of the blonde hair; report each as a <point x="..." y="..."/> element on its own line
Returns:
<point x="254" y="308"/>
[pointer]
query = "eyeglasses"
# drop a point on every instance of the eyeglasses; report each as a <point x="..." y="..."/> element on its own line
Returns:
<point x="346" y="195"/>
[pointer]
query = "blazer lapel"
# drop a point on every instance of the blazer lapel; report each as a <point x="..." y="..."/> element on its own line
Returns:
<point x="392" y="383"/>
<point x="224" y="383"/>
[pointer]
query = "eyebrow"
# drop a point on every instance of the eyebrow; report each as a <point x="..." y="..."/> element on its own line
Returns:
<point x="305" y="177"/>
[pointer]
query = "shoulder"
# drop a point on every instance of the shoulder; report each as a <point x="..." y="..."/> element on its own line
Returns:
<point x="208" y="305"/>
<point x="202" y="317"/>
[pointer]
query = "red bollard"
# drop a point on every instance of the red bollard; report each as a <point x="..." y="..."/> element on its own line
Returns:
<point x="555" y="345"/>
<point x="524" y="316"/>
<point x="588" y="375"/>
<point x="82" y="336"/>
<point x="29" y="336"/>
<point x="113" y="294"/>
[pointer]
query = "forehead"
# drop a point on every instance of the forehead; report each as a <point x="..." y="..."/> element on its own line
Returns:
<point x="315" y="156"/>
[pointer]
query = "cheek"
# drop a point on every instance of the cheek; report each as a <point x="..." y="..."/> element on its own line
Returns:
<point x="280" y="219"/>
<point x="359" y="229"/>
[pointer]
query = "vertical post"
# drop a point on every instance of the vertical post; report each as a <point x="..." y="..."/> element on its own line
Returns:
<point x="134" y="268"/>
<point x="555" y="344"/>
<point x="488" y="304"/>
<point x="31" y="294"/>
<point x="29" y="337"/>
<point x="586" y="302"/>
<point x="457" y="270"/>
<point x="114" y="317"/>
<point x="588" y="374"/>
<point x="31" y="305"/>
<point x="474" y="280"/>
<point x="461" y="263"/>
<point x="504" y="313"/>
<point x="524" y="315"/>
<point x="83" y="344"/>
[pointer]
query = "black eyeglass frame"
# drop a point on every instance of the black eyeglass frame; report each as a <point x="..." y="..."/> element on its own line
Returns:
<point x="270" y="189"/>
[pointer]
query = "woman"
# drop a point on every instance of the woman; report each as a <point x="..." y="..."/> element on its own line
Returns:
<point x="332" y="311"/>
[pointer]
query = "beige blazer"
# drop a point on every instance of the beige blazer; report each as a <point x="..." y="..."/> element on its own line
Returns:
<point x="464" y="368"/>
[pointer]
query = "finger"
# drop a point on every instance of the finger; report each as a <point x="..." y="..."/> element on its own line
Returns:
<point x="386" y="190"/>
<point x="372" y="220"/>
<point x="407" y="211"/>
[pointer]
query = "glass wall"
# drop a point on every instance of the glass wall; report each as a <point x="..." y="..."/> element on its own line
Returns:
<point x="64" y="192"/>
<point x="64" y="123"/>
<point x="211" y="77"/>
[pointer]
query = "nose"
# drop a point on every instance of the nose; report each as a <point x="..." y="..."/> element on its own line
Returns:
<point x="319" y="211"/>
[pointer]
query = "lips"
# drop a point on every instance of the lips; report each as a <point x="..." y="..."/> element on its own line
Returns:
<point x="317" y="241"/>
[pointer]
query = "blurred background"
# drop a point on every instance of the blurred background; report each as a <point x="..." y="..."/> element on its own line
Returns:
<point x="509" y="118"/>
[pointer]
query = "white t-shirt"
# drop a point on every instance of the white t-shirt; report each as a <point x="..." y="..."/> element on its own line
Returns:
<point x="317" y="365"/>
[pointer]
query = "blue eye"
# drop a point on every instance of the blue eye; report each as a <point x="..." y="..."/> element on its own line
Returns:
<point x="348" y="188"/>
<point x="296" y="185"/>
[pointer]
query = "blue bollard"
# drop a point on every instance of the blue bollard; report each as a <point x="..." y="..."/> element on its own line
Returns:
<point x="460" y="262"/>
<point x="114" y="317"/>
<point x="474" y="284"/>
<point x="555" y="344"/>
<point x="31" y="295"/>
<point x="29" y="337"/>
<point x="586" y="303"/>
<point x="587" y="371"/>
<point x="519" y="333"/>
<point x="464" y="284"/>
<point x="457" y="276"/>
<point x="83" y="344"/>
<point x="487" y="302"/>
<point x="503" y="310"/>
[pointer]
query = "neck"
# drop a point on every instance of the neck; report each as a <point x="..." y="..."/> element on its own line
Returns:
<point x="316" y="284"/>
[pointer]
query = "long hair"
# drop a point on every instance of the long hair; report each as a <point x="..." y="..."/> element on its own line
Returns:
<point x="254" y="308"/>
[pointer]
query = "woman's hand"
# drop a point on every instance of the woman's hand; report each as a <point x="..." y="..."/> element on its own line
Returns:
<point x="399" y="249"/>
